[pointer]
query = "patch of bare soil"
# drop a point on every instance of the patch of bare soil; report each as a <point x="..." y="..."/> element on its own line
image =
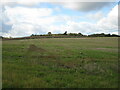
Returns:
<point x="32" y="48"/>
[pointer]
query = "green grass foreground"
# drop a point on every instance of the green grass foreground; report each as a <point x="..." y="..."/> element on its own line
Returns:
<point x="60" y="63"/>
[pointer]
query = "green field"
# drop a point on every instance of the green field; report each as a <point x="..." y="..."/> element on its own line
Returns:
<point x="60" y="63"/>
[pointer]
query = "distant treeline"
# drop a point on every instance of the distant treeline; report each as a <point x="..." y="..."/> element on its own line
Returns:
<point x="64" y="35"/>
<point x="77" y="34"/>
<point x="103" y="35"/>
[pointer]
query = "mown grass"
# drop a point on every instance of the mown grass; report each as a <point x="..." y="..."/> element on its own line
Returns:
<point x="60" y="63"/>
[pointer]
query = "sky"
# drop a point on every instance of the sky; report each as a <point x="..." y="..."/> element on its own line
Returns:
<point x="22" y="18"/>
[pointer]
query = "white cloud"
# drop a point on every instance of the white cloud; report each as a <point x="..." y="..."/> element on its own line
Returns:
<point x="20" y="15"/>
<point x="25" y="20"/>
<point x="109" y="23"/>
<point x="95" y="17"/>
<point x="28" y="3"/>
<point x="21" y="12"/>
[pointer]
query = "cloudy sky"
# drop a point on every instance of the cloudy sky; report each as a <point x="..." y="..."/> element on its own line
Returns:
<point x="20" y="18"/>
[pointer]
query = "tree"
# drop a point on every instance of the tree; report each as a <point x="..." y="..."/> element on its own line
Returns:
<point x="114" y="35"/>
<point x="49" y="33"/>
<point x="65" y="33"/>
<point x="80" y="34"/>
<point x="32" y="35"/>
<point x="73" y="34"/>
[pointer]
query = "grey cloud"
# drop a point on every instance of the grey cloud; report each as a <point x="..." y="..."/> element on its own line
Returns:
<point x="88" y="6"/>
<point x="85" y="6"/>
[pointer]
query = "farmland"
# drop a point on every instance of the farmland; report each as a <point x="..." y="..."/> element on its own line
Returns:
<point x="60" y="63"/>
